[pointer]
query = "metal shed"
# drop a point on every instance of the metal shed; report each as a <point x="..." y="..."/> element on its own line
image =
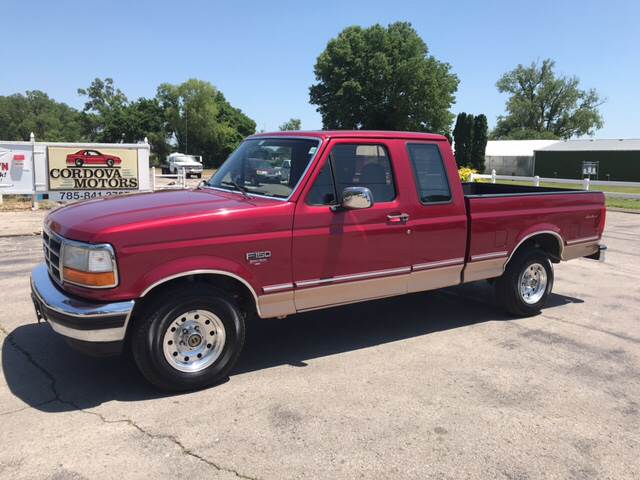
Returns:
<point x="513" y="157"/>
<point x="615" y="160"/>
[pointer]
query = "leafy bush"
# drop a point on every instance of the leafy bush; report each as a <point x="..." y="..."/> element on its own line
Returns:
<point x="465" y="173"/>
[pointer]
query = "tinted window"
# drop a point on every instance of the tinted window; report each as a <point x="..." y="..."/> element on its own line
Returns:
<point x="356" y="166"/>
<point x="431" y="177"/>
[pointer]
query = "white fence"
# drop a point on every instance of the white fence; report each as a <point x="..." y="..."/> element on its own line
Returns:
<point x="180" y="183"/>
<point x="586" y="183"/>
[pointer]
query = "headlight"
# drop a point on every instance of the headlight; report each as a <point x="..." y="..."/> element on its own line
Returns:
<point x="89" y="266"/>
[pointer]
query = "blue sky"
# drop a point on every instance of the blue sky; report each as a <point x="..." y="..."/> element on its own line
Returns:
<point x="261" y="54"/>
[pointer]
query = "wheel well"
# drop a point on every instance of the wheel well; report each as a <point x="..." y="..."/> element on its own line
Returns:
<point x="241" y="294"/>
<point x="547" y="242"/>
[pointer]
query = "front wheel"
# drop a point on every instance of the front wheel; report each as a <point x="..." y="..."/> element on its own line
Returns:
<point x="526" y="283"/>
<point x="188" y="343"/>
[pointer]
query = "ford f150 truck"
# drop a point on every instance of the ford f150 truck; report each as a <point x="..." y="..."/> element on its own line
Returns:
<point x="173" y="275"/>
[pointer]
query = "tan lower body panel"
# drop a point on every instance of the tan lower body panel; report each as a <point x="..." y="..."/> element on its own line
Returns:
<point x="303" y="299"/>
<point x="349" y="292"/>
<point x="579" y="250"/>
<point x="482" y="269"/>
<point x="433" y="278"/>
<point x="276" y="304"/>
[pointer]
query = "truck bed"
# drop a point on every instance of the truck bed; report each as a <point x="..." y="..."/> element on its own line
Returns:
<point x="502" y="216"/>
<point x="494" y="189"/>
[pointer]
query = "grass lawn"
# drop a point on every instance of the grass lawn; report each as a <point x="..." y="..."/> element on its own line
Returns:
<point x="596" y="188"/>
<point x="628" y="203"/>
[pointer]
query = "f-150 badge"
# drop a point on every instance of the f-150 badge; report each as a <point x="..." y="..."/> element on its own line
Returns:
<point x="257" y="258"/>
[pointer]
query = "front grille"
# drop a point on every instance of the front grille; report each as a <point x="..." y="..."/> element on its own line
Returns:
<point x="52" y="252"/>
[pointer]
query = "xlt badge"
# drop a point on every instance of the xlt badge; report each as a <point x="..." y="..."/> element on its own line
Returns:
<point x="256" y="258"/>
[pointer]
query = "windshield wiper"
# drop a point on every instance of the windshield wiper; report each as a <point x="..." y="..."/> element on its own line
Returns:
<point x="241" y="189"/>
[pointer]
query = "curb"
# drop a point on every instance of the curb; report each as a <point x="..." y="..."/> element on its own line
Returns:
<point x="11" y="235"/>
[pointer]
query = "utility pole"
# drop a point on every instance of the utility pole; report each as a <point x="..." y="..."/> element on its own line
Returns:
<point x="186" y="123"/>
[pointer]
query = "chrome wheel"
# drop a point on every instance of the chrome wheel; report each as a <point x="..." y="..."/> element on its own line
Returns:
<point x="533" y="283"/>
<point x="194" y="340"/>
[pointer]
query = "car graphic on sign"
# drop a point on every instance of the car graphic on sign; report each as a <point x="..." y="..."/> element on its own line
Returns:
<point x="92" y="157"/>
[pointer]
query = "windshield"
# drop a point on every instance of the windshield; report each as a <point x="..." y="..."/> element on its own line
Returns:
<point x="266" y="166"/>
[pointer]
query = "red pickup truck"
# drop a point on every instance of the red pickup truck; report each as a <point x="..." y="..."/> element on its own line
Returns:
<point x="360" y="215"/>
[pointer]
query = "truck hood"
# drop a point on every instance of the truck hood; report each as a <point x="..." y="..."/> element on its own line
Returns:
<point x="95" y="220"/>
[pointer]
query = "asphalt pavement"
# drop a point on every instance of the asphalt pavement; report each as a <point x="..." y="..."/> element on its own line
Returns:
<point x="432" y="385"/>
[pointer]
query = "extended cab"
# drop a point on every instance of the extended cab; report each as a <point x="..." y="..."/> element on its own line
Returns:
<point x="359" y="215"/>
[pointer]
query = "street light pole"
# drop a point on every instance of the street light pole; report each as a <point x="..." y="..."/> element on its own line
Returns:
<point x="186" y="121"/>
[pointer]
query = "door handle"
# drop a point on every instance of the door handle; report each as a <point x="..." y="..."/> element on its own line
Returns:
<point x="398" y="217"/>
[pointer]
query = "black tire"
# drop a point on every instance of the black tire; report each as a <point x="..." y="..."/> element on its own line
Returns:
<point x="110" y="162"/>
<point x="79" y="162"/>
<point x="147" y="340"/>
<point x="199" y="175"/>
<point x="507" y="287"/>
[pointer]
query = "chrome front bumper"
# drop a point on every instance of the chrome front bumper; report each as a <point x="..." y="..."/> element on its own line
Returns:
<point x="77" y="319"/>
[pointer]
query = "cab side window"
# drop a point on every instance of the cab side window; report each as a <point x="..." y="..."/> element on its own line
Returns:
<point x="355" y="166"/>
<point x="431" y="177"/>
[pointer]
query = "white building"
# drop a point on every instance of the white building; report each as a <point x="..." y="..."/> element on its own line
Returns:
<point x="513" y="157"/>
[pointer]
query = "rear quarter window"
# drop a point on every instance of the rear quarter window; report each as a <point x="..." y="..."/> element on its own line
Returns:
<point x="431" y="178"/>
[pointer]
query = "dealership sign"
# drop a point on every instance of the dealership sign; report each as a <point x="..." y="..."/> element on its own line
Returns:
<point x="88" y="172"/>
<point x="16" y="175"/>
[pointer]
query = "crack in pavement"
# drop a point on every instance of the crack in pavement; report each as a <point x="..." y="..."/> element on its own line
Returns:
<point x="35" y="405"/>
<point x="156" y="436"/>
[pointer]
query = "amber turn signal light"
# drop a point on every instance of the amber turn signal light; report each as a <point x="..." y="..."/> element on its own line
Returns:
<point x="89" y="279"/>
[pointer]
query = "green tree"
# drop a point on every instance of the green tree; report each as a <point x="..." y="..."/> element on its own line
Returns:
<point x="479" y="142"/>
<point x="36" y="112"/>
<point x="108" y="116"/>
<point x="383" y="78"/>
<point x="544" y="105"/>
<point x="105" y="112"/>
<point x="202" y="121"/>
<point x="146" y="119"/>
<point x="463" y="138"/>
<point x="291" y="124"/>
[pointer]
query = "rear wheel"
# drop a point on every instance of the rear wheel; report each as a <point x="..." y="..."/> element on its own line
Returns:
<point x="526" y="283"/>
<point x="79" y="162"/>
<point x="188" y="343"/>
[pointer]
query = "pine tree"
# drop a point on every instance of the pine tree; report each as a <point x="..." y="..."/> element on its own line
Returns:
<point x="467" y="139"/>
<point x="479" y="143"/>
<point x="459" y="138"/>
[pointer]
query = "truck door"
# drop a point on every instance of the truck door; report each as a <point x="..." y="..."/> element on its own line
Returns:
<point x="341" y="256"/>
<point x="438" y="217"/>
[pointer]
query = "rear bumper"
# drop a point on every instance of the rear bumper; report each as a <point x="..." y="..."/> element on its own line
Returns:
<point x="81" y="321"/>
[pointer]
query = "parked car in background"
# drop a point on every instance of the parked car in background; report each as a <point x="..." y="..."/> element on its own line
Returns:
<point x="285" y="171"/>
<point x="92" y="157"/>
<point x="263" y="171"/>
<point x="190" y="164"/>
<point x="173" y="275"/>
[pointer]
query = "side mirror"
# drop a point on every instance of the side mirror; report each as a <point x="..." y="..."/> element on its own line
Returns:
<point x="355" y="198"/>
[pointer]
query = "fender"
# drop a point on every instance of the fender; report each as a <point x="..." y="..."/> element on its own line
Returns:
<point x="196" y="265"/>
<point x="543" y="228"/>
